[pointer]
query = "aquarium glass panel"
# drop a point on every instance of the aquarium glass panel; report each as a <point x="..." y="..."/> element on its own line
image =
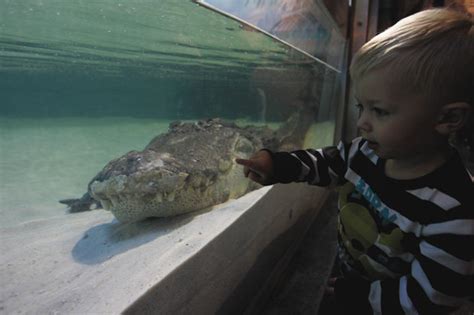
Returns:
<point x="304" y="24"/>
<point x="85" y="82"/>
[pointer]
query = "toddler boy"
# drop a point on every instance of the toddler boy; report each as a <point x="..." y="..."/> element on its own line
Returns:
<point x="406" y="201"/>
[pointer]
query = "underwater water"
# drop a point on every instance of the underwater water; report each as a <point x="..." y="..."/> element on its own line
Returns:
<point x="83" y="82"/>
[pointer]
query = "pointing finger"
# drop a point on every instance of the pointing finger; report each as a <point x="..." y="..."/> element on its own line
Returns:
<point x="243" y="162"/>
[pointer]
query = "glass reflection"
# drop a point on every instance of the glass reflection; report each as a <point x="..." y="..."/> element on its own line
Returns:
<point x="306" y="24"/>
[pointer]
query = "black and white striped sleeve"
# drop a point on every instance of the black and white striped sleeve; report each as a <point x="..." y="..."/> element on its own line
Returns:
<point x="441" y="275"/>
<point x="322" y="167"/>
<point x="439" y="282"/>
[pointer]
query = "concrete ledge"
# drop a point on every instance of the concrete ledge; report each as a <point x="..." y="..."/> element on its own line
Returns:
<point x="199" y="263"/>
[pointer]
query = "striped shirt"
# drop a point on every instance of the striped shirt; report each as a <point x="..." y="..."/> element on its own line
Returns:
<point x="411" y="240"/>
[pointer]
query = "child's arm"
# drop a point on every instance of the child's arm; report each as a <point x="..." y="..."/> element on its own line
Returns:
<point x="441" y="279"/>
<point x="323" y="167"/>
<point x="408" y="294"/>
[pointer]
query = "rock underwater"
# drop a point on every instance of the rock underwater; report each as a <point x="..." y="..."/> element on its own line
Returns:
<point x="189" y="168"/>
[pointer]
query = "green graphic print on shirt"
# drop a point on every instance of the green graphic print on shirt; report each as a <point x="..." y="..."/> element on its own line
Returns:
<point x="367" y="234"/>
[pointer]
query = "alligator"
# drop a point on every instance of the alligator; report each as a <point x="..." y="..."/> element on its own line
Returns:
<point x="188" y="168"/>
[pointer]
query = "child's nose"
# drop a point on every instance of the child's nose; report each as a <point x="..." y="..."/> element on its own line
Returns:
<point x="363" y="123"/>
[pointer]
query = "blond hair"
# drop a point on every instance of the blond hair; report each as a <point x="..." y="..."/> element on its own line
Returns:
<point x="430" y="53"/>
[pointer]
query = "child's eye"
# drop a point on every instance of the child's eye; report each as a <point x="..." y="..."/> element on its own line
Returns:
<point x="380" y="112"/>
<point x="359" y="107"/>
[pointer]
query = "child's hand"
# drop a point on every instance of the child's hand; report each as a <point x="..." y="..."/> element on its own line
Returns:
<point x="259" y="167"/>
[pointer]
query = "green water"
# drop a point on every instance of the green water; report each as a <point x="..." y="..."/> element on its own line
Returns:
<point x="153" y="38"/>
<point x="83" y="82"/>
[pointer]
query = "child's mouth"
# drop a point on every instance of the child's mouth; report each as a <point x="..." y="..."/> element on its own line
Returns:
<point x="372" y="144"/>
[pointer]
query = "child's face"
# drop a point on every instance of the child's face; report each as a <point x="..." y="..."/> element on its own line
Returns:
<point x="397" y="124"/>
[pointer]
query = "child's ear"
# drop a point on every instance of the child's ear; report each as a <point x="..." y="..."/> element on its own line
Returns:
<point x="452" y="117"/>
